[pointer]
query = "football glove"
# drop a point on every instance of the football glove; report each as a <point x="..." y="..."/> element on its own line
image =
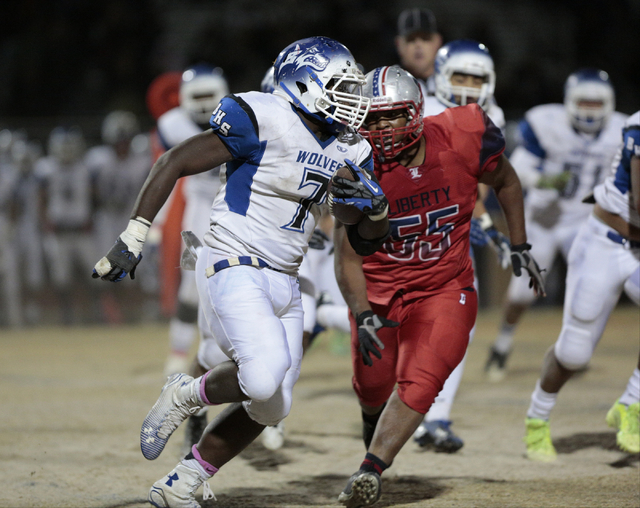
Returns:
<point x="193" y="246"/>
<point x="521" y="258"/>
<point x="318" y="240"/>
<point x="501" y="246"/>
<point x="125" y="255"/>
<point x="368" y="324"/>
<point x="364" y="192"/>
<point x="483" y="232"/>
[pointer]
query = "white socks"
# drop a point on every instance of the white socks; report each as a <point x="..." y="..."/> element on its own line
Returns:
<point x="504" y="341"/>
<point x="632" y="394"/>
<point x="541" y="403"/>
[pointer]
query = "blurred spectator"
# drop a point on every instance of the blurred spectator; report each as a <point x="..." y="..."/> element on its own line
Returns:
<point x="417" y="43"/>
<point x="66" y="197"/>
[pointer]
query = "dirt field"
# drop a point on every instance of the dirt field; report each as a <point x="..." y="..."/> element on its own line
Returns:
<point x="72" y="401"/>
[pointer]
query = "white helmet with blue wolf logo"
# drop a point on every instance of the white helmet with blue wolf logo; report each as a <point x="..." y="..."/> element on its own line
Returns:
<point x="319" y="76"/>
<point x="589" y="99"/>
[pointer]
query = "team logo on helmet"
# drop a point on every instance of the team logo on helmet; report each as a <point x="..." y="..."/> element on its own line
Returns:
<point x="311" y="57"/>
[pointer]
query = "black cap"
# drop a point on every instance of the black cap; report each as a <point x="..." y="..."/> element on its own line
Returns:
<point x="416" y="20"/>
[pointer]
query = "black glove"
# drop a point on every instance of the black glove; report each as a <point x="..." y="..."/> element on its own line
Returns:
<point x="365" y="192"/>
<point x="318" y="240"/>
<point x="119" y="262"/>
<point x="368" y="324"/>
<point x="522" y="258"/>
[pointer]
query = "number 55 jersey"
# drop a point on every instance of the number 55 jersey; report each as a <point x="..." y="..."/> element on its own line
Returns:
<point x="430" y="207"/>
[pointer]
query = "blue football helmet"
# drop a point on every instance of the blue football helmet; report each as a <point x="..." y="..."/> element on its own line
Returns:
<point x="589" y="99"/>
<point x="268" y="82"/>
<point x="66" y="144"/>
<point x="319" y="76"/>
<point x="394" y="89"/>
<point x="464" y="56"/>
<point x="201" y="89"/>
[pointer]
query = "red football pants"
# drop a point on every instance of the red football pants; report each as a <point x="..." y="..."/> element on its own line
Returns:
<point x="418" y="355"/>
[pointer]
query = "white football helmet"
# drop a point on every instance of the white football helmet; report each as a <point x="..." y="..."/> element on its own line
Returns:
<point x="393" y="88"/>
<point x="119" y="126"/>
<point x="66" y="144"/>
<point x="319" y="76"/>
<point x="201" y="89"/>
<point x="268" y="82"/>
<point x="464" y="57"/>
<point x="589" y="99"/>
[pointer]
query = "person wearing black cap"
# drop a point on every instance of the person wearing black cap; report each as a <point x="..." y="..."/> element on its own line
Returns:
<point x="417" y="42"/>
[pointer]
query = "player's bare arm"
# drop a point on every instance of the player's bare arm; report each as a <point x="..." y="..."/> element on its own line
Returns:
<point x="506" y="184"/>
<point x="635" y="181"/>
<point x="349" y="274"/>
<point x="196" y="155"/>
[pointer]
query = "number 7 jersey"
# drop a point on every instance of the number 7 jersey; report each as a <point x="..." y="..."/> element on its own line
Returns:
<point x="268" y="204"/>
<point x="430" y="207"/>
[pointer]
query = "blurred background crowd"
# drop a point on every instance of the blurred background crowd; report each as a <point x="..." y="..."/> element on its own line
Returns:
<point x="76" y="77"/>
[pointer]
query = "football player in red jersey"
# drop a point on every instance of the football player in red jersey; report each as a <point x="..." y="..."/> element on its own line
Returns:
<point x="412" y="302"/>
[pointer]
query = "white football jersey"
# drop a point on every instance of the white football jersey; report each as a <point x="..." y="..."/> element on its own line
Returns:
<point x="117" y="180"/>
<point x="174" y="127"/>
<point x="614" y="194"/>
<point x="432" y="107"/>
<point x="68" y="192"/>
<point x="268" y="205"/>
<point x="549" y="145"/>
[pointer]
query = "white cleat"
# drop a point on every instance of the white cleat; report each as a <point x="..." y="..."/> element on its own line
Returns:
<point x="178" y="489"/>
<point x="273" y="437"/>
<point x="178" y="400"/>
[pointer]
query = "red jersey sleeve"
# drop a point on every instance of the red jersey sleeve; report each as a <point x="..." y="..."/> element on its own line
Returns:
<point x="472" y="119"/>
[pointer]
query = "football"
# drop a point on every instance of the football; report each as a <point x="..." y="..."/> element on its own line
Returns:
<point x="347" y="214"/>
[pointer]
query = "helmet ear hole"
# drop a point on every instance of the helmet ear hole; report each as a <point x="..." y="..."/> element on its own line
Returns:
<point x="302" y="88"/>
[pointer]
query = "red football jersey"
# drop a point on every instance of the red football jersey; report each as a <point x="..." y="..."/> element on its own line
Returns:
<point x="430" y="207"/>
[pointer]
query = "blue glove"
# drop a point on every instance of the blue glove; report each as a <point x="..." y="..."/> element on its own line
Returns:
<point x="364" y="192"/>
<point x="477" y="235"/>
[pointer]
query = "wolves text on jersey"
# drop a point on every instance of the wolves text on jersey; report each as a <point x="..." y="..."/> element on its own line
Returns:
<point x="318" y="159"/>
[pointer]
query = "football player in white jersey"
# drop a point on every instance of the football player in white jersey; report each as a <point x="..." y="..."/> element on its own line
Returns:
<point x="117" y="171"/>
<point x="281" y="150"/>
<point x="201" y="89"/>
<point x="67" y="208"/>
<point x="562" y="152"/>
<point x="603" y="261"/>
<point x="464" y="73"/>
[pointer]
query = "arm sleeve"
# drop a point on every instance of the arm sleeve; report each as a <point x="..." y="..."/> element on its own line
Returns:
<point x="235" y="123"/>
<point x="360" y="245"/>
<point x="492" y="144"/>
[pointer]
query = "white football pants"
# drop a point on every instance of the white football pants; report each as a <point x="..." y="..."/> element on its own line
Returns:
<point x="256" y="317"/>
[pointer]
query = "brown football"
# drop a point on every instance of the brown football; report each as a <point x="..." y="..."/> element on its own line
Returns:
<point x="347" y="214"/>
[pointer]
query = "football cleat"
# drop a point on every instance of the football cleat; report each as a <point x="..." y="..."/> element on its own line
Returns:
<point x="363" y="489"/>
<point x="496" y="366"/>
<point x="538" y="440"/>
<point x="178" y="400"/>
<point x="437" y="435"/>
<point x="178" y="489"/>
<point x="273" y="436"/>
<point x="625" y="420"/>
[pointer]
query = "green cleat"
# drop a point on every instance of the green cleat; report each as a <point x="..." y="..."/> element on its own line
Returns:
<point x="625" y="420"/>
<point x="538" y="440"/>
